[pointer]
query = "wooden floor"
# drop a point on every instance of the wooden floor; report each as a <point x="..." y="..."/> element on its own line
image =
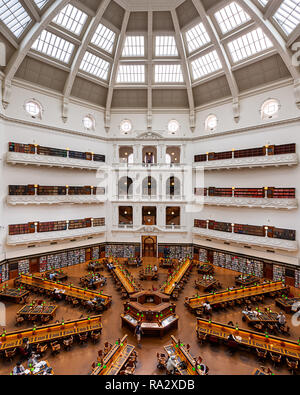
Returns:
<point x="79" y="359"/>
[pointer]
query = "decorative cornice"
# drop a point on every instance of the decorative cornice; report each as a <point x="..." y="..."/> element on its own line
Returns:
<point x="251" y="202"/>
<point x="55" y="199"/>
<point x="256" y="161"/>
<point x="42" y="237"/>
<point x="265" y="242"/>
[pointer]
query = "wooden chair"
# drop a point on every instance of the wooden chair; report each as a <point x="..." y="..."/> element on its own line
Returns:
<point x="41" y="348"/>
<point x="130" y="367"/>
<point x="75" y="302"/>
<point x="202" y="337"/>
<point x="276" y="358"/>
<point x="55" y="347"/>
<point x="95" y="336"/>
<point x="107" y="348"/>
<point x="83" y="337"/>
<point x="258" y="327"/>
<point x="19" y="320"/>
<point x="292" y="365"/>
<point x="261" y="354"/>
<point x="46" y="318"/>
<point x="67" y="343"/>
<point x="9" y="354"/>
<point x="285" y="330"/>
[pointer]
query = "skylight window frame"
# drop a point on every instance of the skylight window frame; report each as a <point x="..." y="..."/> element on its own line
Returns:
<point x="135" y="34"/>
<point x="208" y="76"/>
<point x="138" y="63"/>
<point x="188" y="27"/>
<point x="94" y="76"/>
<point x="164" y="34"/>
<point x="68" y="31"/>
<point x="114" y="30"/>
<point x="25" y="30"/>
<point x="51" y="58"/>
<point x="279" y="26"/>
<point x="251" y="58"/>
<point x="172" y="83"/>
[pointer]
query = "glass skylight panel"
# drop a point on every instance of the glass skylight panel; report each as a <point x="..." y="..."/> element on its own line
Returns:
<point x="231" y="17"/>
<point x="134" y="46"/>
<point x="263" y="2"/>
<point x="288" y="15"/>
<point x="249" y="44"/>
<point x="132" y="73"/>
<point x="53" y="46"/>
<point x="165" y="46"/>
<point x="40" y="3"/>
<point x="168" y="73"/>
<point x="206" y="64"/>
<point x="71" y="18"/>
<point x="104" y="38"/>
<point x="94" y="65"/>
<point x="196" y="37"/>
<point x="14" y="16"/>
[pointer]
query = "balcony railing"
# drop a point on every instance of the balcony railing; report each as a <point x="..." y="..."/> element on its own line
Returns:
<point x="150" y="228"/>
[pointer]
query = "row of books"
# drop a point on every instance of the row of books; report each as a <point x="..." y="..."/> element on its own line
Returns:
<point x="297" y="278"/>
<point x="53" y="226"/>
<point x="253" y="230"/>
<point x="60" y="260"/>
<point x="50" y="151"/>
<point x="120" y="250"/>
<point x="45" y="190"/>
<point x="24" y="266"/>
<point x="175" y="251"/>
<point x="278" y="273"/>
<point x="250" y="152"/>
<point x="270" y="192"/>
<point x="239" y="264"/>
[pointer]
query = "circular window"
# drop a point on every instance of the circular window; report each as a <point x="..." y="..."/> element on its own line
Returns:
<point x="88" y="122"/>
<point x="270" y="108"/>
<point x="173" y="126"/>
<point x="125" y="126"/>
<point x="33" y="108"/>
<point x="211" y="122"/>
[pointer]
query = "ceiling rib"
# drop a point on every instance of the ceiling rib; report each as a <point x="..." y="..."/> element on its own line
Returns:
<point x="209" y="26"/>
<point x="25" y="46"/>
<point x="79" y="56"/>
<point x="114" y="70"/>
<point x="32" y="10"/>
<point x="150" y="70"/>
<point x="185" y="69"/>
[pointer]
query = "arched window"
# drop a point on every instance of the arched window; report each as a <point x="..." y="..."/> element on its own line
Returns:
<point x="173" y="186"/>
<point x="125" y="186"/>
<point x="269" y="109"/>
<point x="149" y="186"/>
<point x="34" y="108"/>
<point x="211" y="123"/>
<point x="88" y="122"/>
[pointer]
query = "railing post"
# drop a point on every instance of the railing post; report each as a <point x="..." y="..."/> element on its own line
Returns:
<point x="266" y="231"/>
<point x="232" y="228"/>
<point x="233" y="188"/>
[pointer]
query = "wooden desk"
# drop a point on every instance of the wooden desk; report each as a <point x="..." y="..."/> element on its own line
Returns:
<point x="249" y="338"/>
<point x="181" y="354"/>
<point x="127" y="281"/>
<point x="169" y="286"/>
<point x="261" y="318"/>
<point x="246" y="280"/>
<point x="31" y="282"/>
<point x="205" y="285"/>
<point x="234" y="294"/>
<point x="40" y="311"/>
<point x="95" y="265"/>
<point x="15" y="295"/>
<point x="114" y="361"/>
<point x="205" y="268"/>
<point x="41" y="371"/>
<point x="286" y="304"/>
<point x="50" y="333"/>
<point x="85" y="280"/>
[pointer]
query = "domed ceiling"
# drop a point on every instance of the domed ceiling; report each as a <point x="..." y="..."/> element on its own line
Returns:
<point x="148" y="55"/>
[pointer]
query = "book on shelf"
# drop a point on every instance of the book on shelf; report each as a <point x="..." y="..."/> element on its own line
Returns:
<point x="52" y="226"/>
<point x="80" y="223"/>
<point x="249" y="230"/>
<point x="79" y="190"/>
<point x="200" y="223"/>
<point x="99" y="158"/>
<point x="49" y="151"/>
<point x="249" y="192"/>
<point x="44" y="190"/>
<point x="99" y="222"/>
<point x="25" y="190"/>
<point x="21" y="229"/>
<point x="22" y="148"/>
<point x="220" y="226"/>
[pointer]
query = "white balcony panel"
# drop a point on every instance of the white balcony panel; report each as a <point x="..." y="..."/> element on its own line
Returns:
<point x="41" y="237"/>
<point x="255" y="161"/>
<point x="55" y="199"/>
<point x="265" y="242"/>
<point x="51" y="161"/>
<point x="251" y="202"/>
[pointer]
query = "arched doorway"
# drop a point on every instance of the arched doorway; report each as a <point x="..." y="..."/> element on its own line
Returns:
<point x="149" y="246"/>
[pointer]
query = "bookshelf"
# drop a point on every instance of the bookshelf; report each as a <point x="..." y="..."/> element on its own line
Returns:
<point x="249" y="192"/>
<point x="22" y="148"/>
<point x="200" y="223"/>
<point x="285" y="234"/>
<point x="278" y="273"/>
<point x="21" y="190"/>
<point x="80" y="223"/>
<point x="51" y="151"/>
<point x="51" y="226"/>
<point x="119" y="250"/>
<point x="80" y="155"/>
<point x="43" y="264"/>
<point x="220" y="226"/>
<point x="249" y="230"/>
<point x="297" y="278"/>
<point x="21" y="229"/>
<point x="246" y="153"/>
<point x="281" y="193"/>
<point x="239" y="263"/>
<point x="99" y="158"/>
<point x="24" y="266"/>
<point x="44" y="190"/>
<point x="224" y="192"/>
<point x="202" y="255"/>
<point x="78" y="190"/>
<point x="4" y="272"/>
<point x="99" y="222"/>
<point x="95" y="253"/>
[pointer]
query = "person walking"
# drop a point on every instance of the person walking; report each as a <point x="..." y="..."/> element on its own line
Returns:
<point x="138" y="332"/>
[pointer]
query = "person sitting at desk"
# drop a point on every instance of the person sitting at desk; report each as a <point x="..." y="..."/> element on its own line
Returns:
<point x="33" y="360"/>
<point x="171" y="365"/>
<point x="155" y="269"/>
<point x="91" y="282"/>
<point x="281" y="319"/>
<point x="19" y="369"/>
<point x="26" y="348"/>
<point x="207" y="308"/>
<point x="52" y="276"/>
